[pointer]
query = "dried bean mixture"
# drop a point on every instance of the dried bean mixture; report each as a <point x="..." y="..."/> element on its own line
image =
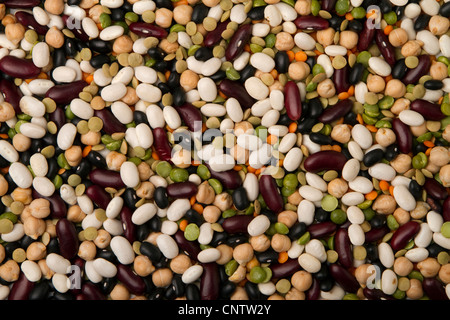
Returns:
<point x="224" y="149"/>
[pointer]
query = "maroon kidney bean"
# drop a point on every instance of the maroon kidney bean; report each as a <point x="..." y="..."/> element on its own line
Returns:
<point x="321" y="229"/>
<point x="106" y="178"/>
<point x="131" y="280"/>
<point x="58" y="208"/>
<point x="58" y="117"/>
<point x="286" y="269"/>
<point x="236" y="224"/>
<point x="311" y="23"/>
<point x="191" y="116"/>
<point x="446" y="209"/>
<point x="342" y="245"/>
<point x="230" y="179"/>
<point x="71" y="23"/>
<point x="238" y="41"/>
<point x="90" y="292"/>
<point x="182" y="189"/>
<point x="403" y="234"/>
<point x="429" y="110"/>
<point x="340" y="79"/>
<point x="21" y="288"/>
<point x="325" y="160"/>
<point x="376" y="234"/>
<point x="147" y="30"/>
<point x="67" y="238"/>
<point x="129" y="228"/>
<point x="235" y="90"/>
<point x="191" y="248"/>
<point x="210" y="282"/>
<point x="344" y="278"/>
<point x="337" y="111"/>
<point x="98" y="195"/>
<point x="64" y="93"/>
<point x="28" y="20"/>
<point x="435" y="189"/>
<point x="213" y="37"/>
<point x="110" y="123"/>
<point x="412" y="76"/>
<point x="161" y="144"/>
<point x="292" y="101"/>
<point x="385" y="47"/>
<point x="313" y="293"/>
<point x="22" y="4"/>
<point x="328" y="5"/>
<point x="12" y="94"/>
<point x="376" y="294"/>
<point x="270" y="193"/>
<point x="434" y="289"/>
<point x="18" y="67"/>
<point x="366" y="36"/>
<point x="403" y="135"/>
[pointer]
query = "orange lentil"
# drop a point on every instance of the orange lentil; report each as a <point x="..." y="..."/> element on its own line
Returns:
<point x="274" y="73"/>
<point x="89" y="78"/>
<point x="222" y="95"/>
<point x="359" y="118"/>
<point x="292" y="127"/>
<point x="372" y="128"/>
<point x="280" y="163"/>
<point x="351" y="90"/>
<point x="300" y="56"/>
<point x="343" y="95"/>
<point x="183" y="224"/>
<point x="4" y="170"/>
<point x="61" y="171"/>
<point x="384" y="185"/>
<point x="391" y="190"/>
<point x="192" y="200"/>
<point x="86" y="151"/>
<point x="291" y="55"/>
<point x="4" y="136"/>
<point x="348" y="16"/>
<point x="237" y="168"/>
<point x="198" y="207"/>
<point x="251" y="169"/>
<point x="336" y="147"/>
<point x="283" y="257"/>
<point x="388" y="29"/>
<point x="371" y="195"/>
<point x="428" y="151"/>
<point x="179" y="3"/>
<point x="272" y="139"/>
<point x="428" y="143"/>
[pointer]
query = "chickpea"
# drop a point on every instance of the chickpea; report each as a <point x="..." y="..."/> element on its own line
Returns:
<point x="395" y="88"/>
<point x="411" y="48"/>
<point x="74" y="155"/>
<point x="420" y="210"/>
<point x="385" y="137"/>
<point x="401" y="215"/>
<point x="36" y="251"/>
<point x="9" y="271"/>
<point x="325" y="37"/>
<point x="3" y="253"/>
<point x="415" y="291"/>
<point x="2" y="10"/>
<point x="402" y="266"/>
<point x="168" y="47"/>
<point x="429" y="267"/>
<point x="295" y="198"/>
<point x="181" y="158"/>
<point x="34" y="227"/>
<point x="14" y="32"/>
<point x="243" y="253"/>
<point x="97" y="103"/>
<point x="337" y="187"/>
<point x="120" y="292"/>
<point x="103" y="239"/>
<point x="432" y="168"/>
<point x="123" y="44"/>
<point x="7" y="111"/>
<point x="260" y="243"/>
<point x="87" y="4"/>
<point x="444" y="273"/>
<point x="22" y="195"/>
<point x="284" y="41"/>
<point x="189" y="80"/>
<point x="298" y="70"/>
<point x="47" y="273"/>
<point x="363" y="272"/>
<point x="226" y="253"/>
<point x="95" y="12"/>
<point x="40" y="208"/>
<point x="438" y="25"/>
<point x="375" y="83"/>
<point x="303" y="7"/>
<point x="182" y="14"/>
<point x="288" y="217"/>
<point x="21" y="142"/>
<point x="419" y="130"/>
<point x="114" y="160"/>
<point x="3" y="186"/>
<point x="348" y="39"/>
<point x="87" y="250"/>
<point x="341" y="133"/>
<point x="54" y="37"/>
<point x="211" y="214"/>
<point x="446" y="133"/>
<point x="384" y="204"/>
<point x="326" y="88"/>
<point x="400" y="105"/>
<point x="294" y="294"/>
<point x="276" y="296"/>
<point x="223" y="201"/>
<point x="75" y="214"/>
<point x="239" y="294"/>
<point x="438" y="70"/>
<point x="143" y="266"/>
<point x="50" y="228"/>
<point x="180" y="263"/>
<point x="91" y="138"/>
<point x="145" y="172"/>
<point x="439" y="156"/>
<point x="162" y="277"/>
<point x="301" y="280"/>
<point x="54" y="6"/>
<point x="130" y="97"/>
<point x="205" y="193"/>
<point x="398" y="37"/>
<point x="243" y="127"/>
<point x="145" y="190"/>
<point x="211" y="3"/>
<point x="444" y="175"/>
<point x="401" y="163"/>
<point x="163" y="17"/>
<point x="240" y="154"/>
<point x="280" y="242"/>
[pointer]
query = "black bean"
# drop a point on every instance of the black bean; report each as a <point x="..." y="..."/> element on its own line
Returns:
<point x="305" y="125"/>
<point x="355" y="25"/>
<point x="40" y="291"/>
<point x="117" y="14"/>
<point x="4" y="163"/>
<point x="385" y="6"/>
<point x="199" y="13"/>
<point x="421" y="22"/>
<point x="142" y="231"/>
<point x="174" y="80"/>
<point x="164" y="4"/>
<point x="59" y="57"/>
<point x="96" y="159"/>
<point x="378" y="221"/>
<point x="252" y="291"/>
<point x="391" y="152"/>
<point x="218" y="238"/>
<point x="193" y="216"/>
<point x="268" y="256"/>
<point x="415" y="189"/>
<point x="226" y="289"/>
<point x="83" y="168"/>
<point x="445" y="10"/>
<point x="320" y="215"/>
<point x="284" y="119"/>
<point x="151" y="251"/>
<point x="219" y="75"/>
<point x="70" y="47"/>
<point x="140" y="117"/>
<point x="164" y="87"/>
<point x="247" y="72"/>
<point x="320" y="138"/>
<point x="107" y="255"/>
<point x="335" y="22"/>
<point x="107" y="285"/>
<point x="157" y="294"/>
<point x="372" y="252"/>
<point x="99" y="60"/>
<point x="281" y="62"/>
<point x="236" y="239"/>
<point x="323" y="273"/>
<point x="73" y="2"/>
<point x="130" y="198"/>
<point x="161" y="198"/>
<point x="373" y="156"/>
<point x="434" y="249"/>
<point x="100" y="46"/>
<point x="297" y="230"/>
<point x="25" y="242"/>
<point x="256" y="13"/>
<point x="156" y="53"/>
<point x="399" y="11"/>
<point x="67" y="296"/>
<point x="433" y="84"/>
<point x="193" y="292"/>
<point x="356" y="73"/>
<point x="326" y="284"/>
<point x="315" y="108"/>
<point x="399" y="70"/>
<point x="178" y="96"/>
<point x="160" y="66"/>
<point x="203" y="54"/>
<point x="240" y="199"/>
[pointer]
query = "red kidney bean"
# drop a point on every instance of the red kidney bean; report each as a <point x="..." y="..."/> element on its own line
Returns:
<point x="340" y="79"/>
<point x="191" y="248"/>
<point x="311" y="23"/>
<point x="230" y="179"/>
<point x="235" y="90"/>
<point x="191" y="116"/>
<point x="71" y="23"/>
<point x="313" y="292"/>
<point x="342" y="245"/>
<point x="161" y="144"/>
<point x="446" y="209"/>
<point x="21" y="288"/>
<point x="98" y="195"/>
<point x="435" y="189"/>
<point x="129" y="228"/>
<point x="147" y="30"/>
<point x="65" y="93"/>
<point x="286" y="269"/>
<point x="210" y="282"/>
<point x="131" y="280"/>
<point x="182" y="190"/>
<point x="58" y="208"/>
<point x="366" y="36"/>
<point x="67" y="238"/>
<point x="238" y="41"/>
<point x="403" y="234"/>
<point x="413" y="75"/>
<point x="213" y="37"/>
<point x="376" y="234"/>
<point x="344" y="278"/>
<point x="236" y="224"/>
<point x="403" y="135"/>
<point x="292" y="101"/>
<point x="337" y="111"/>
<point x="429" y="110"/>
<point x="110" y="123"/>
<point x="325" y="160"/>
<point x="22" y="4"/>
<point x="58" y="117"/>
<point x="106" y="178"/>
<point x="18" y="67"/>
<point x="328" y="5"/>
<point x="376" y="294"/>
<point x="90" y="292"/>
<point x="270" y="193"/>
<point x="28" y="20"/>
<point x="434" y="289"/>
<point x="385" y="47"/>
<point x="12" y="94"/>
<point x="321" y="229"/>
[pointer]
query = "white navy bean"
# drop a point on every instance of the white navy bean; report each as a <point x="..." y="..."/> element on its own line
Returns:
<point x="389" y="282"/>
<point x="67" y="193"/>
<point x="256" y="88"/>
<point x="278" y="130"/>
<point x="258" y="225"/>
<point x="362" y="136"/>
<point x="293" y="159"/>
<point x="211" y="66"/>
<point x="408" y="25"/>
<point x="352" y="198"/>
<point x="66" y="136"/>
<point x="40" y="87"/>
<point x="432" y="95"/>
<point x="424" y="237"/>
<point x="155" y="116"/>
<point x="261" y="107"/>
<point x="122" y="112"/>
<point x="412" y="10"/>
<point x="177" y="209"/>
<point x="169" y="227"/>
<point x="61" y="282"/>
<point x="404" y="198"/>
<point x="305" y="212"/>
<point x="416" y="255"/>
<point x="90" y="220"/>
<point x="242" y="60"/>
<point x="145" y="74"/>
<point x="172" y="118"/>
<point x="238" y="14"/>
<point x="89" y="27"/>
<point x="355" y="150"/>
<point x="309" y="263"/>
<point x="336" y="293"/>
<point x="57" y="263"/>
<point x="32" y="106"/>
<point x="386" y="255"/>
<point x="115" y="91"/>
<point x="64" y="74"/>
<point x="249" y="141"/>
<point x="31" y="270"/>
<point x="144" y="213"/>
<point x="273" y="15"/>
<point x="41" y="54"/>
<point x="81" y="109"/>
<point x="441" y="240"/>
<point x="213" y="110"/>
<point x="325" y="61"/>
<point x="167" y="245"/>
<point x="411" y="118"/>
<point x="435" y="221"/>
<point x="221" y="162"/>
<point x="380" y="66"/>
<point x="251" y="186"/>
<point x="44" y="186"/>
<point x="215" y="12"/>
<point x="288" y="13"/>
<point x="260" y="157"/>
<point x="260" y="29"/>
<point x="124" y="75"/>
<point x="316" y="248"/>
<point x="192" y="274"/>
<point x="39" y="164"/>
<point x="105" y="268"/>
<point x="111" y="33"/>
<point x="184" y="40"/>
<point x="335" y="50"/>
<point x="401" y="180"/>
<point x="361" y="184"/>
<point x="316" y="181"/>
<point x="287" y="142"/>
<point x="234" y="109"/>
<point x="141" y="6"/>
<point x="351" y="169"/>
<point x="6" y="43"/>
<point x="145" y="135"/>
<point x="101" y="79"/>
<point x="206" y="233"/>
<point x="41" y="16"/>
<point x="20" y="175"/>
<point x="444" y="46"/>
<point x="267" y="288"/>
<point x="262" y="61"/>
<point x="310" y="145"/>
<point x="208" y="255"/>
<point x="304" y="41"/>
<point x="91" y="272"/>
<point x="295" y="250"/>
<point x="85" y="203"/>
<point x="356" y="234"/>
<point x="32" y="130"/>
<point x="113" y="226"/>
<point x="207" y="89"/>
<point x="276" y="98"/>
<point x="270" y="118"/>
<point x="430" y="42"/>
<point x="382" y="171"/>
<point x="430" y="7"/>
<point x="139" y="46"/>
<point x="16" y="234"/>
<point x="355" y="215"/>
<point x="129" y="174"/>
<point x="122" y="249"/>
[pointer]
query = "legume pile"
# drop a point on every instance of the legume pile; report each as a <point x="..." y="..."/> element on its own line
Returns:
<point x="219" y="149"/>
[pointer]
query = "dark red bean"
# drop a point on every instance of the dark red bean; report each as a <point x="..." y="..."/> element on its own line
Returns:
<point x="236" y="224"/>
<point x="413" y="75"/>
<point x="321" y="229"/>
<point x="328" y="5"/>
<point x="292" y="101"/>
<point x="22" y="4"/>
<point x="429" y="110"/>
<point x="64" y="93"/>
<point x="21" y="288"/>
<point x="91" y="292"/>
<point x="340" y="79"/>
<point x="435" y="189"/>
<point x="313" y="292"/>
<point x="344" y="278"/>
<point x="131" y="280"/>
<point x="12" y="94"/>
<point x="376" y="234"/>
<point x="446" y="209"/>
<point x="191" y="116"/>
<point x="434" y="289"/>
<point x="376" y="294"/>
<point x="161" y="144"/>
<point x="67" y="238"/>
<point x="209" y="282"/>
<point x="233" y="89"/>
<point x="325" y="160"/>
<point x="230" y="179"/>
<point x="129" y="228"/>
<point x="98" y="195"/>
<point x="270" y="193"/>
<point x="385" y="47"/>
<point x="58" y="208"/>
<point x="337" y="111"/>
<point x="18" y="67"/>
<point x="366" y="36"/>
<point x="58" y="117"/>
<point x="27" y="19"/>
<point x="72" y="23"/>
<point x="182" y="190"/>
<point x="403" y="234"/>
<point x="342" y="245"/>
<point x="286" y="269"/>
<point x="191" y="248"/>
<point x="147" y="30"/>
<point x="110" y="123"/>
<point x="106" y="178"/>
<point x="403" y="135"/>
<point x="311" y="23"/>
<point x="238" y="41"/>
<point x="213" y="37"/>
